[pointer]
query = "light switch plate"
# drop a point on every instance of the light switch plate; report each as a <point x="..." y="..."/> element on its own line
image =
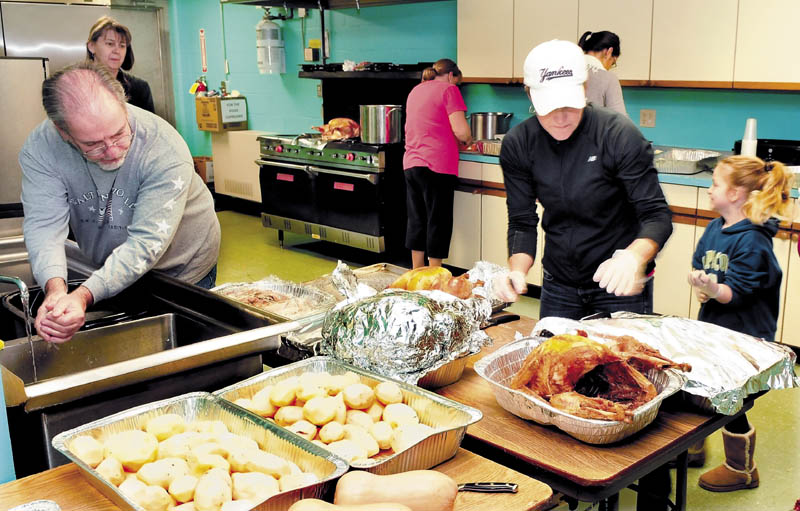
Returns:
<point x="647" y="118"/>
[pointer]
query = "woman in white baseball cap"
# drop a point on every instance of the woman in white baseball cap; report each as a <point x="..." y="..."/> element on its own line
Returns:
<point x="605" y="216"/>
<point x="602" y="86"/>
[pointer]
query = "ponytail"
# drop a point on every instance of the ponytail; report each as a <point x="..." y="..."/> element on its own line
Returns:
<point x="440" y="67"/>
<point x="600" y="41"/>
<point x="768" y="183"/>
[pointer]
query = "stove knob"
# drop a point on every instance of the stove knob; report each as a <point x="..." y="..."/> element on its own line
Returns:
<point x="365" y="158"/>
<point x="278" y="148"/>
<point x="350" y="157"/>
<point x="335" y="155"/>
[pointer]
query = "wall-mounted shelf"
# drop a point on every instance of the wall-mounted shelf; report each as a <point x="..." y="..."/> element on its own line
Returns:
<point x="380" y="75"/>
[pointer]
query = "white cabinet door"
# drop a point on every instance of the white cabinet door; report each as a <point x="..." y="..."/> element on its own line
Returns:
<point x="465" y="246"/>
<point x="485" y="38"/>
<point x="671" y="290"/>
<point x="537" y="21"/>
<point x="492" y="175"/>
<point x="694" y="41"/>
<point x="791" y="318"/>
<point x="694" y="303"/>
<point x="781" y="245"/>
<point x="631" y="20"/>
<point x="494" y="229"/>
<point x="470" y="170"/>
<point x="766" y="41"/>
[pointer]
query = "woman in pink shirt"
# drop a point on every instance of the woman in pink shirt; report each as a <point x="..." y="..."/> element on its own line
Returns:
<point x="435" y="123"/>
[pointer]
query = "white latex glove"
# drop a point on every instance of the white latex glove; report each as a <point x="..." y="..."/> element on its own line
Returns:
<point x="622" y="274"/>
<point x="508" y="286"/>
<point x="705" y="285"/>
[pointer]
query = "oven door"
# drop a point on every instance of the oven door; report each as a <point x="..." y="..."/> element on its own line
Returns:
<point x="287" y="190"/>
<point x="349" y="199"/>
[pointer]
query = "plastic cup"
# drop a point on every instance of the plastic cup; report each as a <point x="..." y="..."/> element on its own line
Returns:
<point x="750" y="129"/>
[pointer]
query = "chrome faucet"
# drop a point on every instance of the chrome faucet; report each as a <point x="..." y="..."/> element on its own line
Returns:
<point x="23" y="288"/>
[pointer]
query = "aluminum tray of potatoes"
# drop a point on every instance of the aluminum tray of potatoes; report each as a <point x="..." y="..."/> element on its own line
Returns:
<point x="198" y="452"/>
<point x="375" y="423"/>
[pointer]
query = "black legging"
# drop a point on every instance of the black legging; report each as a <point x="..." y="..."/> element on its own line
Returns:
<point x="739" y="425"/>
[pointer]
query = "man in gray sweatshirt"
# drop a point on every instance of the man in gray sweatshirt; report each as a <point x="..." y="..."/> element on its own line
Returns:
<point x="123" y="180"/>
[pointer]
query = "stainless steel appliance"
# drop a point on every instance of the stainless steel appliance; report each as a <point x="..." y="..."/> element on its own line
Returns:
<point x="487" y="125"/>
<point x="342" y="191"/>
<point x="381" y="124"/>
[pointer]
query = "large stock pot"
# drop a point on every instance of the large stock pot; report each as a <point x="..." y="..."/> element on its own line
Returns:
<point x="381" y="124"/>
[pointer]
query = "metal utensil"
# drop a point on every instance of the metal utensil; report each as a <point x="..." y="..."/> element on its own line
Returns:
<point x="489" y="487"/>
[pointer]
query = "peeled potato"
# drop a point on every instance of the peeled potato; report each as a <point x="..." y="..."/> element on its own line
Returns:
<point x="407" y="435"/>
<point x="304" y="428"/>
<point x="288" y="415"/>
<point x="132" y="488"/>
<point x="254" y="486"/>
<point x="211" y="493"/>
<point x="283" y="394"/>
<point x="111" y="470"/>
<point x="307" y="392"/>
<point x="166" y="425"/>
<point x="336" y="383"/>
<point x="349" y="450"/>
<point x="331" y="432"/>
<point x="188" y="506"/>
<point x="267" y="463"/>
<point x="238" y="505"/>
<point x="222" y="474"/>
<point x="341" y="409"/>
<point x="261" y="403"/>
<point x="398" y="414"/>
<point x="358" y="396"/>
<point x="382" y="433"/>
<point x="362" y="437"/>
<point x="202" y="463"/>
<point x="300" y="480"/>
<point x="375" y="411"/>
<point x="162" y="472"/>
<point x="88" y="450"/>
<point x="320" y="410"/>
<point x="359" y="418"/>
<point x="133" y="448"/>
<point x="177" y="446"/>
<point x="388" y="392"/>
<point x="182" y="488"/>
<point x="154" y="498"/>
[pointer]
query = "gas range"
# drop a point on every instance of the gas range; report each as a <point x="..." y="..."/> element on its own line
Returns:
<point x="311" y="148"/>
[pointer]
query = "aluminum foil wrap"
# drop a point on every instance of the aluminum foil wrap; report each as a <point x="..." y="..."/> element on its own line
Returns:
<point x="302" y="301"/>
<point x="38" y="505"/>
<point x="404" y="334"/>
<point x="727" y="366"/>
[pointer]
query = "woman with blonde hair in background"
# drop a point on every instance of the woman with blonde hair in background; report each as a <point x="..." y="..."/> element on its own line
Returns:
<point x="435" y="124"/>
<point x="109" y="43"/>
<point x="602" y="86"/>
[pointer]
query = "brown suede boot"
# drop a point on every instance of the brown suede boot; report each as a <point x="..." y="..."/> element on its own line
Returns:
<point x="739" y="470"/>
<point x="697" y="454"/>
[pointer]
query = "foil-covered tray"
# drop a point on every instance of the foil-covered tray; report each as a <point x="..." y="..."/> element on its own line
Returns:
<point x="377" y="276"/>
<point x="204" y="406"/>
<point x="500" y="367"/>
<point x="448" y="418"/>
<point x="303" y="301"/>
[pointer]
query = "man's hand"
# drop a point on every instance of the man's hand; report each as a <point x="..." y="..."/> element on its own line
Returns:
<point x="508" y="286"/>
<point x="62" y="314"/>
<point x="704" y="284"/>
<point x="622" y="274"/>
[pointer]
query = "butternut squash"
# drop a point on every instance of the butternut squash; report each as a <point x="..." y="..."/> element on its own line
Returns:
<point x="420" y="490"/>
<point x="321" y="505"/>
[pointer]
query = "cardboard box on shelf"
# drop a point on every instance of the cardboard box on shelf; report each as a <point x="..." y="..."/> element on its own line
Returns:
<point x="221" y="114"/>
<point x="204" y="165"/>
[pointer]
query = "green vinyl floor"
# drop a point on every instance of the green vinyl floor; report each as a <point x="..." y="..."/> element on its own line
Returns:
<point x="250" y="252"/>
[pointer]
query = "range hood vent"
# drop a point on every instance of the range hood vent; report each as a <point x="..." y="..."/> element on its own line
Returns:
<point x="323" y="4"/>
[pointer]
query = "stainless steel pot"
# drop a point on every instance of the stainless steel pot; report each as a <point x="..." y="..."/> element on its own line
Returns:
<point x="381" y="124"/>
<point x="487" y="125"/>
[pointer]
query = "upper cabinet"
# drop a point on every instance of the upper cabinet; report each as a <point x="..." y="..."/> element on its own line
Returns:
<point x="537" y="21"/>
<point x="694" y="42"/>
<point x="766" y="46"/>
<point x="665" y="43"/>
<point x="485" y="39"/>
<point x="631" y="21"/>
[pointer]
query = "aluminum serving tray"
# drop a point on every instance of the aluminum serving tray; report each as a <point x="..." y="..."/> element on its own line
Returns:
<point x="204" y="406"/>
<point x="499" y="368"/>
<point x="449" y="373"/>
<point x="319" y="301"/>
<point x="449" y="418"/>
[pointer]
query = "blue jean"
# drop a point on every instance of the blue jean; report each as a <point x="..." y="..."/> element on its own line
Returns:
<point x="209" y="280"/>
<point x="565" y="301"/>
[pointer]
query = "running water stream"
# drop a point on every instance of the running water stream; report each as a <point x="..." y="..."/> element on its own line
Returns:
<point x="25" y="298"/>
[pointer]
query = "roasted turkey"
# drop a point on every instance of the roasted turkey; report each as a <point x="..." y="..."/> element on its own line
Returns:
<point x="590" y="379"/>
<point x="434" y="278"/>
<point x="339" y="128"/>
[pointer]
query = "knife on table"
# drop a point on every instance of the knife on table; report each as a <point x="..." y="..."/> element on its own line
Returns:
<point x="489" y="487"/>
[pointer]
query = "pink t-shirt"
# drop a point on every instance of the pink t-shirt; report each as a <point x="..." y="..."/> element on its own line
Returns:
<point x="430" y="141"/>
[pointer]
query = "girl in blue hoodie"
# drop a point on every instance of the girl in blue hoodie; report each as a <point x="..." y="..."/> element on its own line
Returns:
<point x="737" y="279"/>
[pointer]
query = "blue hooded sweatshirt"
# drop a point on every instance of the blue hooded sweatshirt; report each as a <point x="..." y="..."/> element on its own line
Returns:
<point x="742" y="258"/>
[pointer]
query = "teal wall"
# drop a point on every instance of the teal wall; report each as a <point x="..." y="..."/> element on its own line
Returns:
<point x="419" y="32"/>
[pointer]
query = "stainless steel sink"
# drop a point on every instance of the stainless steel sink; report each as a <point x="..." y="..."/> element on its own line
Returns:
<point x="103" y="346"/>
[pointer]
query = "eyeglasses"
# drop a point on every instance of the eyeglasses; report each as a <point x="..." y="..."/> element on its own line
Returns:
<point x="123" y="140"/>
<point x="614" y="64"/>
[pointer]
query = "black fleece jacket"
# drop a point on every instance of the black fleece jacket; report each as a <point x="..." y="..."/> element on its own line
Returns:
<point x="599" y="190"/>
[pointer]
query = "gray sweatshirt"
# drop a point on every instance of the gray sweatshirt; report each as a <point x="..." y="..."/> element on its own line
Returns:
<point x="602" y="86"/>
<point x="154" y="212"/>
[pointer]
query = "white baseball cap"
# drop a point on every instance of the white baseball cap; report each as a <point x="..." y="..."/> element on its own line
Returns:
<point x="555" y="71"/>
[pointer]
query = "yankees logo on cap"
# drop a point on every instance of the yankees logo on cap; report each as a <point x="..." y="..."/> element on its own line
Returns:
<point x="555" y="72"/>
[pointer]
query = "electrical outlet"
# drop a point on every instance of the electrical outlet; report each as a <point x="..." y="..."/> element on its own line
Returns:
<point x="319" y="90"/>
<point x="647" y="118"/>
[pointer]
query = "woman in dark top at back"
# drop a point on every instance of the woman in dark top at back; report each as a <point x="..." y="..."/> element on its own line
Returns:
<point x="109" y="43"/>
